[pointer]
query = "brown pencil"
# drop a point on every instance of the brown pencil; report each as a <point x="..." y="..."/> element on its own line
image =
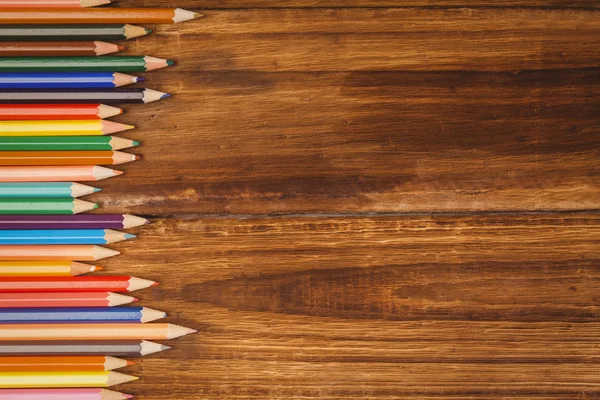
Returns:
<point x="57" y="49"/>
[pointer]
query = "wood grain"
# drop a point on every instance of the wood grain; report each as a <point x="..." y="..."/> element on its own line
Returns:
<point x="245" y="4"/>
<point x="265" y="143"/>
<point x="373" y="307"/>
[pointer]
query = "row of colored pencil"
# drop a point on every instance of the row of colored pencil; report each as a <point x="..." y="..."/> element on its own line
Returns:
<point x="62" y="330"/>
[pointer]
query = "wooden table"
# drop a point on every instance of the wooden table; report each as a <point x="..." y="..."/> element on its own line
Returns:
<point x="374" y="199"/>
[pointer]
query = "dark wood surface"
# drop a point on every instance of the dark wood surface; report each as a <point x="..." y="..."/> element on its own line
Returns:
<point x="370" y="199"/>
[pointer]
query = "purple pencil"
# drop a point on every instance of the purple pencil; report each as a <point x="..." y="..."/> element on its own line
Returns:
<point x="79" y="221"/>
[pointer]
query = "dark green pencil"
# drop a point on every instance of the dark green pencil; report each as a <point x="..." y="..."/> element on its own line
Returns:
<point x="62" y="143"/>
<point x="82" y="64"/>
<point x="52" y="33"/>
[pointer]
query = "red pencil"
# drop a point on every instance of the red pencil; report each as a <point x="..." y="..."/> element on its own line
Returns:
<point x="57" y="111"/>
<point x="62" y="299"/>
<point x="73" y="284"/>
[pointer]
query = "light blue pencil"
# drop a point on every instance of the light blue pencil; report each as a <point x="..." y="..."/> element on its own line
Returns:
<point x="62" y="236"/>
<point x="45" y="189"/>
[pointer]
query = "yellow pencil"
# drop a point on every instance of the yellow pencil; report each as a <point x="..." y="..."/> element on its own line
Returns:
<point x="45" y="268"/>
<point x="24" y="380"/>
<point x="61" y="128"/>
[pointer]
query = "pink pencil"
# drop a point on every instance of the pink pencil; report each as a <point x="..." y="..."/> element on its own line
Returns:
<point x="61" y="394"/>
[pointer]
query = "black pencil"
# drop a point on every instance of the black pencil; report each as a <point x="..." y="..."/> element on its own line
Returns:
<point x="13" y="33"/>
<point x="70" y="96"/>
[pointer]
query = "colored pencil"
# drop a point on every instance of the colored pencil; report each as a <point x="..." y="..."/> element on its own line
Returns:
<point x="64" y="299"/>
<point x="83" y="64"/>
<point x="78" y="315"/>
<point x="57" y="111"/>
<point x="67" y="96"/>
<point x="73" y="283"/>
<point x="108" y="331"/>
<point x="45" y="268"/>
<point x="63" y="143"/>
<point x="57" y="49"/>
<point x="42" y="205"/>
<point x="44" y="189"/>
<point x="61" y="363"/>
<point x="63" y="80"/>
<point x="121" y="348"/>
<point x="44" y="33"/>
<point x="96" y="16"/>
<point x="84" y="173"/>
<point x="92" y="127"/>
<point x="65" y="157"/>
<point x="14" y="380"/>
<point x="55" y="252"/>
<point x="37" y="4"/>
<point x="62" y="394"/>
<point x="80" y="221"/>
<point x="63" y="236"/>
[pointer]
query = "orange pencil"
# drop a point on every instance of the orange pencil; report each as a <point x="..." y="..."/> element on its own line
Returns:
<point x="61" y="363"/>
<point x="107" y="331"/>
<point x="103" y="16"/>
<point x="82" y="173"/>
<point x="51" y="3"/>
<point x="54" y="252"/>
<point x="65" y="157"/>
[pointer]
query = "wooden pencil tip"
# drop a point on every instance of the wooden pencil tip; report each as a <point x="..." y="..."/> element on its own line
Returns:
<point x="116" y="299"/>
<point x="198" y="15"/>
<point x="139" y="283"/>
<point x="182" y="15"/>
<point x="176" y="331"/>
<point x="118" y="172"/>
<point x="105" y="111"/>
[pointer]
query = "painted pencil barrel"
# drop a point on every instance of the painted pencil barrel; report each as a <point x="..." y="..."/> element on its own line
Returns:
<point x="62" y="379"/>
<point x="19" y="112"/>
<point x="91" y="331"/>
<point x="45" y="268"/>
<point x="54" y="252"/>
<point x="63" y="236"/>
<point x="60" y="363"/>
<point x="78" y="64"/>
<point x="19" y="205"/>
<point x="65" y="158"/>
<point x="50" y="33"/>
<point x="64" y="143"/>
<point x="57" y="49"/>
<point x="80" y="221"/>
<point x="73" y="80"/>
<point x="93" y="127"/>
<point x="44" y="189"/>
<point x="84" y="173"/>
<point x="61" y="394"/>
<point x="37" y="4"/>
<point x="63" y="299"/>
<point x="116" y="348"/>
<point x="68" y="96"/>
<point x="65" y="284"/>
<point x="77" y="315"/>
<point x="96" y="16"/>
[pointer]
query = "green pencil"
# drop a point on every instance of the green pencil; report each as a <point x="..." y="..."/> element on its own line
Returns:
<point x="46" y="206"/>
<point x="87" y="64"/>
<point x="61" y="143"/>
<point x="45" y="189"/>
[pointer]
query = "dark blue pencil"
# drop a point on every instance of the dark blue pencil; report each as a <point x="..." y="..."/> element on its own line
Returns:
<point x="74" y="315"/>
<point x="67" y="80"/>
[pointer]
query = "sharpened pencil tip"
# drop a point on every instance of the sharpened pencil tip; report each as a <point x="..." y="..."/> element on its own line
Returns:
<point x="155" y="284"/>
<point x="135" y="299"/>
<point x="130" y="363"/>
<point x="148" y="31"/>
<point x="128" y="396"/>
<point x="121" y="47"/>
<point x="96" y="190"/>
<point x="138" y="157"/>
<point x="165" y="96"/>
<point x="170" y="62"/>
<point x="198" y="15"/>
<point x="129" y="236"/>
<point x="95" y="268"/>
<point x="140" y="79"/>
<point x="96" y="206"/>
<point x="117" y="172"/>
<point x="135" y="143"/>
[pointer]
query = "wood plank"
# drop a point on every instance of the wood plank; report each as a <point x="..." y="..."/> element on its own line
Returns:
<point x="244" y="4"/>
<point x="259" y="143"/>
<point x="408" y="39"/>
<point x="444" y="306"/>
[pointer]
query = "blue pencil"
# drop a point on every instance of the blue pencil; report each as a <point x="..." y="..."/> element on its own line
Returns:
<point x="62" y="236"/>
<point x="74" y="315"/>
<point x="67" y="80"/>
<point x="45" y="189"/>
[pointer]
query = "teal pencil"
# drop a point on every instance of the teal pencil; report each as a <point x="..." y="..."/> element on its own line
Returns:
<point x="45" y="189"/>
